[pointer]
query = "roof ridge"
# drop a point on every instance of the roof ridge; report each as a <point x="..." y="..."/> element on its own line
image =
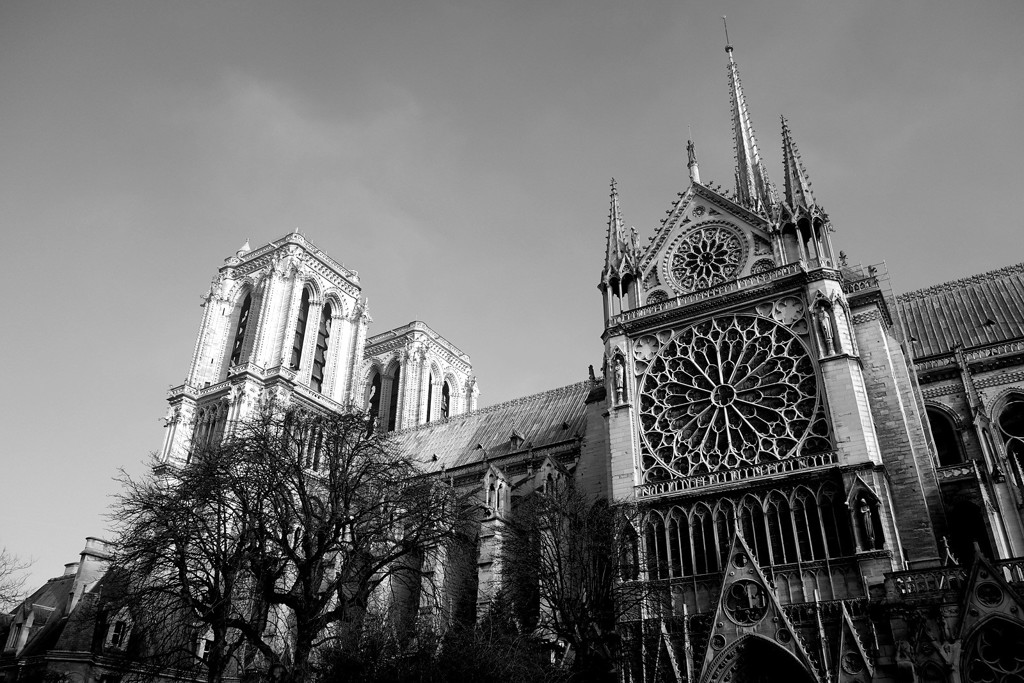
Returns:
<point x="557" y="391"/>
<point x="978" y="278"/>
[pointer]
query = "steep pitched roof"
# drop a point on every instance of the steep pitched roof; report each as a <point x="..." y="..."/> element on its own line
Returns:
<point x="980" y="310"/>
<point x="542" y="419"/>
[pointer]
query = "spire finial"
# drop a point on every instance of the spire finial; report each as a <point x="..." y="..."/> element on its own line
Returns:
<point x="798" y="185"/>
<point x="728" y="45"/>
<point x="621" y="252"/>
<point x="753" y="189"/>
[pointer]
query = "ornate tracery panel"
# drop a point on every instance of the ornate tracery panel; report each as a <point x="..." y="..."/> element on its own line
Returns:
<point x="705" y="256"/>
<point x="995" y="653"/>
<point x="728" y="392"/>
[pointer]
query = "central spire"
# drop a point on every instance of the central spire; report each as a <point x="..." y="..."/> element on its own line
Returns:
<point x="753" y="189"/>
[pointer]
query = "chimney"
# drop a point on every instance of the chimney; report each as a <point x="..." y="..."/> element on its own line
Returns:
<point x="95" y="558"/>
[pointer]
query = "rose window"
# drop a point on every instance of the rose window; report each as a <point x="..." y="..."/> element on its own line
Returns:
<point x="706" y="257"/>
<point x="729" y="392"/>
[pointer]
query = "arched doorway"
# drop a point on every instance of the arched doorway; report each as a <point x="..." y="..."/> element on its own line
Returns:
<point x="755" y="659"/>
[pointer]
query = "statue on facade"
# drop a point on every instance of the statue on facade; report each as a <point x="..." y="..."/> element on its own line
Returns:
<point x="867" y="524"/>
<point x="825" y="321"/>
<point x="620" y="380"/>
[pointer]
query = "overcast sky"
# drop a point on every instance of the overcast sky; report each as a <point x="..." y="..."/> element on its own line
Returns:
<point x="458" y="155"/>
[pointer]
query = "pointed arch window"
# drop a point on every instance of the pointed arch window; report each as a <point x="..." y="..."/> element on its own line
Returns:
<point x="948" y="446"/>
<point x="446" y="400"/>
<point x="832" y="511"/>
<point x="629" y="560"/>
<point x="240" y="328"/>
<point x="373" y="403"/>
<point x="780" y="529"/>
<point x="1011" y="428"/>
<point x="808" y="526"/>
<point x="725" y="526"/>
<point x="657" y="553"/>
<point x="323" y="338"/>
<point x="396" y="380"/>
<point x="430" y="397"/>
<point x="752" y="523"/>
<point x="705" y="553"/>
<point x="300" y="330"/>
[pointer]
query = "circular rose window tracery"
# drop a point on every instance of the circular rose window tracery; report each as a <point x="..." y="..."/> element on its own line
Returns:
<point x="706" y="257"/>
<point x="729" y="392"/>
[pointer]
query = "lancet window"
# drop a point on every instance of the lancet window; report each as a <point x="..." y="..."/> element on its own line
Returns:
<point x="323" y="337"/>
<point x="396" y="381"/>
<point x="240" y="328"/>
<point x="300" y="330"/>
<point x="779" y="527"/>
<point x="446" y="400"/>
<point x="1011" y="428"/>
<point x="948" y="446"/>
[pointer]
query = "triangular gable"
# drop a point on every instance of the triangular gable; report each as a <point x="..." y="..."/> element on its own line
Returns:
<point x="986" y="595"/>
<point x="748" y="611"/>
<point x="852" y="659"/>
<point x="701" y="216"/>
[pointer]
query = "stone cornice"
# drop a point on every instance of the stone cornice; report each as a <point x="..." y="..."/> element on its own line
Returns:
<point x="392" y="339"/>
<point x="312" y="256"/>
<point x="729" y="293"/>
<point x="953" y="285"/>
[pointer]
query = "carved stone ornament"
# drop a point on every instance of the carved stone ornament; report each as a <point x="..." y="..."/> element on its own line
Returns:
<point x="706" y="256"/>
<point x="746" y="603"/>
<point x="851" y="663"/>
<point x="728" y="392"/>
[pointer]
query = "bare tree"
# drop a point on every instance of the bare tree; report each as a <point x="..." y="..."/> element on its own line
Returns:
<point x="338" y="515"/>
<point x="12" y="580"/>
<point x="182" y="566"/>
<point x="279" y="537"/>
<point x="568" y="562"/>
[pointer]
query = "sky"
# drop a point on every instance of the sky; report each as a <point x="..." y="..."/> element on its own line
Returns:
<point x="458" y="155"/>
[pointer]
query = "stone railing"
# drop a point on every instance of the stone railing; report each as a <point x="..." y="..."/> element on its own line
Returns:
<point x="950" y="580"/>
<point x="925" y="582"/>
<point x="714" y="479"/>
<point x="870" y="282"/>
<point x="710" y="292"/>
<point x="966" y="470"/>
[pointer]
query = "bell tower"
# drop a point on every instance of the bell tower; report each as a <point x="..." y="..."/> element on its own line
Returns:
<point x="283" y="322"/>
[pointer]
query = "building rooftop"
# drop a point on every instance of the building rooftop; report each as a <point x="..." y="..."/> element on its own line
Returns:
<point x="540" y="420"/>
<point x="980" y="310"/>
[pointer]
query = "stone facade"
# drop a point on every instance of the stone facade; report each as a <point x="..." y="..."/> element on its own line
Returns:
<point x="829" y="477"/>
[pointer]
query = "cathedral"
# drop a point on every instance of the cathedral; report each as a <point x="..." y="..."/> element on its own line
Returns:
<point x="829" y="476"/>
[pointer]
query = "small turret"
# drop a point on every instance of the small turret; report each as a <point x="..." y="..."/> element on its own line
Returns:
<point x="618" y="278"/>
<point x="803" y="225"/>
<point x="753" y="189"/>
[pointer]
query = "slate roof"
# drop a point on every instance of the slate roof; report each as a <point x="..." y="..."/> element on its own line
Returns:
<point x="980" y="310"/>
<point x="542" y="419"/>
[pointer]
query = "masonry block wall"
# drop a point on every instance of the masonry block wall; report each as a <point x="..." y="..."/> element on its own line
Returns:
<point x="902" y="443"/>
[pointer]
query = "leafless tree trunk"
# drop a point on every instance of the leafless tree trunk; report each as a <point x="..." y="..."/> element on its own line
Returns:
<point x="566" y="563"/>
<point x="12" y="581"/>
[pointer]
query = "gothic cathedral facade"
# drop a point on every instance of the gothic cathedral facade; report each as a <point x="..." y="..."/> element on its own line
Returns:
<point x="809" y="511"/>
<point x="828" y="477"/>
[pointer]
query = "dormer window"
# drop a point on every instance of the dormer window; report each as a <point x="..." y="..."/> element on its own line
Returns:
<point x="300" y="330"/>
<point x="117" y="633"/>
